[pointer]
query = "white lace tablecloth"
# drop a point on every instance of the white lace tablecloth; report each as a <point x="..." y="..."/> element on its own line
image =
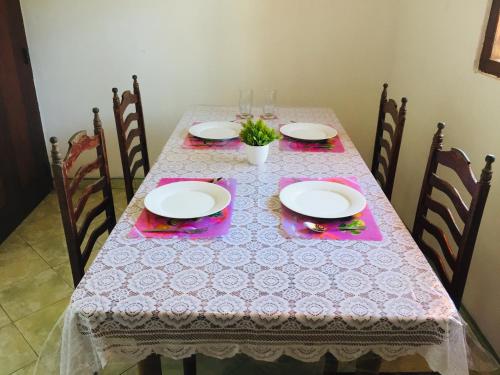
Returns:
<point x="254" y="291"/>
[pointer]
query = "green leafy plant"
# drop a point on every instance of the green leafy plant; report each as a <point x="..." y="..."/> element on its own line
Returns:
<point x="258" y="133"/>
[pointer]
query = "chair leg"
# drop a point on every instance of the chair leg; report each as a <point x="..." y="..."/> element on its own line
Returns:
<point x="150" y="366"/>
<point x="331" y="365"/>
<point x="189" y="365"/>
<point x="369" y="364"/>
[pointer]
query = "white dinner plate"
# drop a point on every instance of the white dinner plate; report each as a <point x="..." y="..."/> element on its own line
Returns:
<point x="216" y="130"/>
<point x="322" y="199"/>
<point x="308" y="131"/>
<point x="187" y="199"/>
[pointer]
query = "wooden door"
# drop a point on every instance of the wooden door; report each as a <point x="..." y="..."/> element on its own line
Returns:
<point x="24" y="168"/>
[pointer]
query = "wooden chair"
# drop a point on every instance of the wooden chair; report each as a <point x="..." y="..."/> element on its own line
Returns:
<point x="127" y="136"/>
<point x="70" y="212"/>
<point x="459" y="262"/>
<point x="67" y="186"/>
<point x="384" y="168"/>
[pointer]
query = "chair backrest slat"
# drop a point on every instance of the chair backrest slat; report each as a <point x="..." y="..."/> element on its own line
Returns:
<point x="131" y="117"/>
<point x="384" y="165"/>
<point x="392" y="146"/>
<point x="68" y="186"/>
<point x="445" y="214"/>
<point x="439" y="235"/>
<point x="457" y="160"/>
<point x="455" y="275"/>
<point x="94" y="235"/>
<point x="81" y="173"/>
<point x="436" y="261"/>
<point x="127" y="135"/>
<point x="92" y="214"/>
<point x="86" y="193"/>
<point x="391" y="107"/>
<point x="390" y="131"/>
<point x="132" y="134"/>
<point x="452" y="193"/>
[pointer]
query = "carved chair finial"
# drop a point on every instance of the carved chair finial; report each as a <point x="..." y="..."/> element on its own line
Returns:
<point x="116" y="98"/>
<point x="402" y="110"/>
<point x="97" y="119"/>
<point x="384" y="92"/>
<point x="136" y="84"/>
<point x="487" y="171"/>
<point x="56" y="155"/>
<point x="438" y="137"/>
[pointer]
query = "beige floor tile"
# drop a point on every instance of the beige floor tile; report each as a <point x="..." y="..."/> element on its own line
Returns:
<point x="18" y="261"/>
<point x="52" y="249"/>
<point x="119" y="200"/>
<point x="15" y="353"/>
<point x="30" y="295"/>
<point x="50" y="226"/>
<point x="48" y="208"/>
<point x="64" y="272"/>
<point x="37" y="326"/>
<point x="11" y="242"/>
<point x="118" y="368"/>
<point x="119" y="214"/>
<point x="4" y="319"/>
<point x="28" y="370"/>
<point x="132" y="371"/>
<point x="43" y="222"/>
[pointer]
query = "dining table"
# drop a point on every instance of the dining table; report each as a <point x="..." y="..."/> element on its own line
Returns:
<point x="257" y="290"/>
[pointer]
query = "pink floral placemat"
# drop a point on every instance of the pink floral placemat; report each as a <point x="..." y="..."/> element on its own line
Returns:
<point x="194" y="143"/>
<point x="331" y="145"/>
<point x="150" y="225"/>
<point x="337" y="229"/>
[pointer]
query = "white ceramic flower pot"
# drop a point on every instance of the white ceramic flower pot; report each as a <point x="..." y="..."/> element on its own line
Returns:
<point x="257" y="154"/>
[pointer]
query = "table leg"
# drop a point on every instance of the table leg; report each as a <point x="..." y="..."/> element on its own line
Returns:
<point x="331" y="364"/>
<point x="189" y="365"/>
<point x="150" y="366"/>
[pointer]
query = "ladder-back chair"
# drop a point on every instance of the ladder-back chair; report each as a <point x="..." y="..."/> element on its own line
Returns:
<point x="384" y="167"/>
<point x="132" y="157"/>
<point x="457" y="262"/>
<point x="67" y="185"/>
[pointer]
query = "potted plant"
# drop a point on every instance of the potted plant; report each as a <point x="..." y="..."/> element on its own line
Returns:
<point x="257" y="136"/>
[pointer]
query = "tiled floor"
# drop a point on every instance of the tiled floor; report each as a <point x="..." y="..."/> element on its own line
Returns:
<point x="36" y="284"/>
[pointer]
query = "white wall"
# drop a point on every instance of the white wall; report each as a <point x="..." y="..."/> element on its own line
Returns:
<point x="437" y="41"/>
<point x="334" y="53"/>
<point x="189" y="52"/>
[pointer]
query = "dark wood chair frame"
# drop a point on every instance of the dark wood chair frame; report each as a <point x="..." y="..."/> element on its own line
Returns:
<point x="67" y="186"/>
<point x="127" y="136"/>
<point x="471" y="215"/>
<point x="395" y="134"/>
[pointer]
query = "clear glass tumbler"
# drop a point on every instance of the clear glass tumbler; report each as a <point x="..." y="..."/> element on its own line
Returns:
<point x="269" y="104"/>
<point x="246" y="102"/>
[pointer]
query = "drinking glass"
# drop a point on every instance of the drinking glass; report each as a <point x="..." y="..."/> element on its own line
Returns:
<point x="246" y="101"/>
<point x="269" y="104"/>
